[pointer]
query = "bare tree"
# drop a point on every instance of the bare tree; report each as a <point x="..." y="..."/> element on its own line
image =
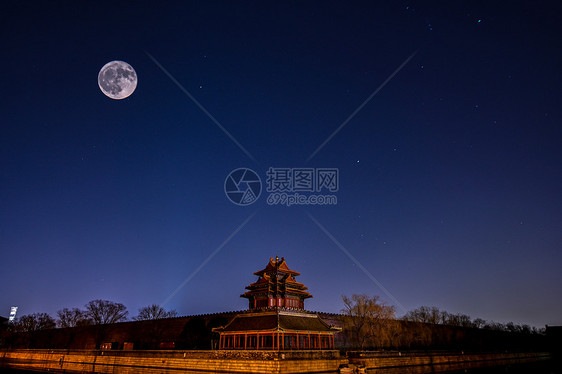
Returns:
<point x="479" y="323"/>
<point x="72" y="318"/>
<point x="383" y="325"/>
<point x="491" y="325"/>
<point x="355" y="320"/>
<point x="104" y="311"/>
<point x="154" y="311"/>
<point x="525" y="329"/>
<point x="34" y="322"/>
<point x="426" y="314"/>
<point x="370" y="321"/>
<point x="433" y="315"/>
<point x="461" y="320"/>
<point x="26" y="323"/>
<point x="45" y="321"/>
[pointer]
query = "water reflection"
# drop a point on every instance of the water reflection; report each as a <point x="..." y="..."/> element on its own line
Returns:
<point x="540" y="367"/>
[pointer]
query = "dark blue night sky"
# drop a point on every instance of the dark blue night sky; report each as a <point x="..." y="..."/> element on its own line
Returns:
<point x="449" y="177"/>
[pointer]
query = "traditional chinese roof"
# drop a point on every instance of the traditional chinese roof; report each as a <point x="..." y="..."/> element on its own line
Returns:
<point x="276" y="266"/>
<point x="277" y="279"/>
<point x="284" y="321"/>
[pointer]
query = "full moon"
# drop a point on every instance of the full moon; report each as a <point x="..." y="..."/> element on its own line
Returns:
<point x="117" y="80"/>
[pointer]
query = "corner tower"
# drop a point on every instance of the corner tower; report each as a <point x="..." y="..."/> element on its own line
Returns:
<point x="276" y="287"/>
<point x="276" y="319"/>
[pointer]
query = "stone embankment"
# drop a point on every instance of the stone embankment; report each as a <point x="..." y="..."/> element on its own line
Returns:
<point x="248" y="362"/>
<point x="168" y="362"/>
<point x="375" y="360"/>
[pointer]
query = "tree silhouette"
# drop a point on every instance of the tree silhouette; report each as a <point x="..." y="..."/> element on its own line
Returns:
<point x="105" y="311"/>
<point x="35" y="322"/>
<point x="369" y="321"/>
<point x="154" y="311"/>
<point x="72" y="318"/>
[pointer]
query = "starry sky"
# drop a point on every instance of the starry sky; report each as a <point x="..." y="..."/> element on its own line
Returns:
<point x="442" y="119"/>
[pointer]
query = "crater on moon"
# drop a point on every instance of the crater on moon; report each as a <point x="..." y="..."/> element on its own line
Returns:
<point x="117" y="79"/>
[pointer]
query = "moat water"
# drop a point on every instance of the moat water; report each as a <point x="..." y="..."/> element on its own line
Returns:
<point x="541" y="367"/>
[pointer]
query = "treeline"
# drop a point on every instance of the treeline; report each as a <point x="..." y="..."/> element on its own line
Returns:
<point x="96" y="312"/>
<point x="369" y="323"/>
<point x="191" y="332"/>
<point x="435" y="316"/>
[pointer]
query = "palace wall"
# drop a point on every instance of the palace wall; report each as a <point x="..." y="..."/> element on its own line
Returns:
<point x="195" y="332"/>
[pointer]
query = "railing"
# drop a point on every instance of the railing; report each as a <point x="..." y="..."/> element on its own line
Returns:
<point x="218" y="354"/>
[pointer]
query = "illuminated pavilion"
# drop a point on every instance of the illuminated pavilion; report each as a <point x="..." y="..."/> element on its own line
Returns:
<point x="276" y="319"/>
